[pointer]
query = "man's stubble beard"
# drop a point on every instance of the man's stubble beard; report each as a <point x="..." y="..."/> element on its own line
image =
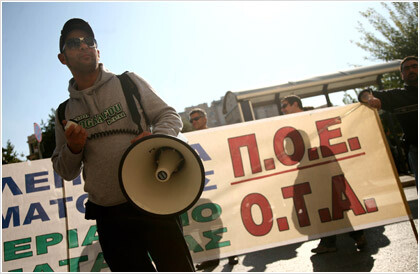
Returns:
<point x="83" y="68"/>
<point x="411" y="81"/>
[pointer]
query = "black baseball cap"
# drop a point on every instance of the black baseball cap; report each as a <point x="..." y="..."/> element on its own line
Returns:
<point x="73" y="24"/>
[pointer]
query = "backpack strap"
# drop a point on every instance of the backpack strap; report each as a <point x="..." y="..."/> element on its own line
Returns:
<point x="61" y="112"/>
<point x="131" y="92"/>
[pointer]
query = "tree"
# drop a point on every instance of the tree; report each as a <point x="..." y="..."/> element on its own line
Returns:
<point x="399" y="39"/>
<point x="348" y="99"/>
<point x="9" y="155"/>
<point x="399" y="36"/>
<point x="48" y="135"/>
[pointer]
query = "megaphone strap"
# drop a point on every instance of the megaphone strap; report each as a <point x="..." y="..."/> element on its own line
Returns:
<point x="113" y="132"/>
<point x="131" y="92"/>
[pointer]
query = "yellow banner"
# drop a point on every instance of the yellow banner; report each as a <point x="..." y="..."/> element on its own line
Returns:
<point x="292" y="178"/>
<point x="269" y="183"/>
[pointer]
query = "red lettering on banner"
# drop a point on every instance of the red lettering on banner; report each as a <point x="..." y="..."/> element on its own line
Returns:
<point x="340" y="186"/>
<point x="326" y="135"/>
<point x="267" y="215"/>
<point x="296" y="192"/>
<point x="370" y="205"/>
<point x="298" y="144"/>
<point x="354" y="143"/>
<point x="284" y="134"/>
<point x="313" y="154"/>
<point x="324" y="215"/>
<point x="269" y="164"/>
<point x="283" y="224"/>
<point x="250" y="142"/>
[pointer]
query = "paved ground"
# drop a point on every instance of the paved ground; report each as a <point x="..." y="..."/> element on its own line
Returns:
<point x="391" y="248"/>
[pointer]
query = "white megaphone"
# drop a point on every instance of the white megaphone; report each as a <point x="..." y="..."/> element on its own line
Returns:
<point x="161" y="175"/>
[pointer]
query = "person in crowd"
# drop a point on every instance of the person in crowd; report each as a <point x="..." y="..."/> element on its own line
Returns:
<point x="198" y="119"/>
<point x="403" y="103"/>
<point x="293" y="104"/>
<point x="101" y="130"/>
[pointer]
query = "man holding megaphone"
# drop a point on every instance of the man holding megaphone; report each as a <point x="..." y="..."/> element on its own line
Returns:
<point x="98" y="127"/>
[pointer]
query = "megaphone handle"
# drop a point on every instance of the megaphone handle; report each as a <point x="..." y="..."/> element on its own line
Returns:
<point x="141" y="135"/>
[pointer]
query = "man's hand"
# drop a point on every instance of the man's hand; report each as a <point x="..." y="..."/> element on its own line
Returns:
<point x="143" y="134"/>
<point x="375" y="103"/>
<point x="368" y="98"/>
<point x="76" y="137"/>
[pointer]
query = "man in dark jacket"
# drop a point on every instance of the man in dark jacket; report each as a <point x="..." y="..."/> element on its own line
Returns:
<point x="403" y="103"/>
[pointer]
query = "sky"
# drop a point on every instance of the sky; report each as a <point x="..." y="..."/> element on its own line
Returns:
<point x="190" y="52"/>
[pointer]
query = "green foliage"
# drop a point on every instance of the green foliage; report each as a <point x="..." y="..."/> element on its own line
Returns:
<point x="9" y="156"/>
<point x="48" y="135"/>
<point x="348" y="99"/>
<point x="399" y="36"/>
<point x="398" y="39"/>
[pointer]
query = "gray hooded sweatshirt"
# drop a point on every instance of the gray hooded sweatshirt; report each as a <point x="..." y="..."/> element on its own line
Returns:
<point x="102" y="110"/>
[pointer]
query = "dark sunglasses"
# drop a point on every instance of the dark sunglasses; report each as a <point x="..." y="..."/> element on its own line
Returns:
<point x="284" y="105"/>
<point x="75" y="43"/>
<point x="195" y="119"/>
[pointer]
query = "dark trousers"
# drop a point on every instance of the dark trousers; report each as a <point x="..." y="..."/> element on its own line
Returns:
<point x="413" y="162"/>
<point x="128" y="236"/>
<point x="329" y="241"/>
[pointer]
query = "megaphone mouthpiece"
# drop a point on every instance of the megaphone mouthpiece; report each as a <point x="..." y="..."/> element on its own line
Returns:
<point x="162" y="175"/>
<point x="169" y="161"/>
